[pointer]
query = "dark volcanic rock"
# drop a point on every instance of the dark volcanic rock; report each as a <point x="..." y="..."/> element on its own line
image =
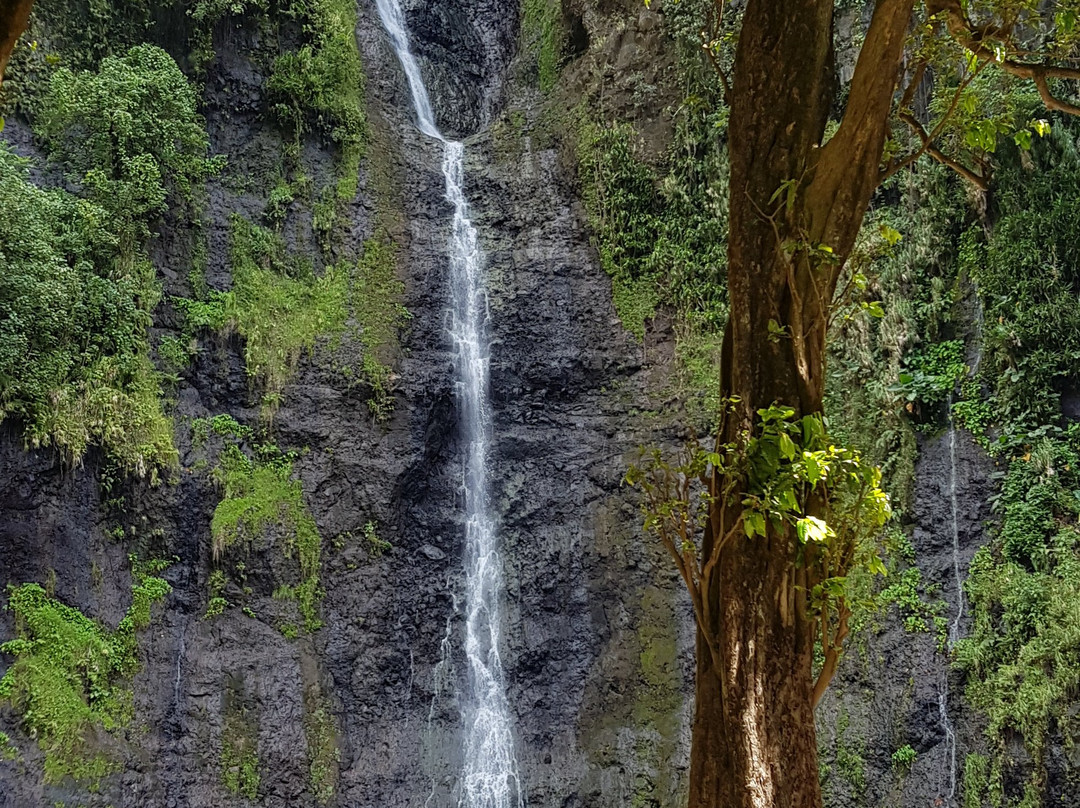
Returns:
<point x="597" y="633"/>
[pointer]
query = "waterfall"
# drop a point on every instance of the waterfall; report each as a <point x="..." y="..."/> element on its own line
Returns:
<point x="489" y="771"/>
<point x="958" y="577"/>
<point x="954" y="625"/>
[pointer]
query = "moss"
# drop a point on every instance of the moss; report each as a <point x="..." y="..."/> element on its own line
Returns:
<point x="375" y="297"/>
<point x="543" y="37"/>
<point x="279" y="305"/>
<point x="976" y="780"/>
<point x="8" y="750"/>
<point x="323" y="753"/>
<point x="240" y="749"/>
<point x="850" y="757"/>
<point x="260" y="494"/>
<point x="658" y="701"/>
<point x="661" y="231"/>
<point x="70" y="673"/>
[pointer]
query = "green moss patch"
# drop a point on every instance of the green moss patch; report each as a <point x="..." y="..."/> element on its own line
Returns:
<point x="279" y="305"/>
<point x="240" y="750"/>
<point x="69" y="676"/>
<point x="258" y="495"/>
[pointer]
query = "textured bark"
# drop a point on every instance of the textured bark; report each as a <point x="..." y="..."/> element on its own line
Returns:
<point x="754" y="742"/>
<point x="14" y="15"/>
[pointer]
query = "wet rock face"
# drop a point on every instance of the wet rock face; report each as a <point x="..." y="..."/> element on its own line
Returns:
<point x="897" y="688"/>
<point x="464" y="48"/>
<point x="597" y="633"/>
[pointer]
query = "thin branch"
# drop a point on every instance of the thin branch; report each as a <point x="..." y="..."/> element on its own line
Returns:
<point x="977" y="180"/>
<point x="716" y="23"/>
<point x="974" y="38"/>
<point x="831" y="648"/>
<point x="927" y="142"/>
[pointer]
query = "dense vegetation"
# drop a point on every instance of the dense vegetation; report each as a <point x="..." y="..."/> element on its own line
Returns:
<point x="77" y="287"/>
<point x="92" y="352"/>
<point x="70" y="674"/>
<point x="934" y="282"/>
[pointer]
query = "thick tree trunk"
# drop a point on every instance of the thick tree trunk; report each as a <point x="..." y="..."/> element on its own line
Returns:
<point x="754" y="743"/>
<point x="754" y="739"/>
<point x="14" y="15"/>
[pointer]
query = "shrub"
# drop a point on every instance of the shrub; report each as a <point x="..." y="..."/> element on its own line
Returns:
<point x="74" y="368"/>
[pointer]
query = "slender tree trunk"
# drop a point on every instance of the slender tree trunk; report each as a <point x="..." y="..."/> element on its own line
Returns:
<point x="754" y="743"/>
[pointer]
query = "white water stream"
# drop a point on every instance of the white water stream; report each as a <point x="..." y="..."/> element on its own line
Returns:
<point x="489" y="772"/>
<point x="954" y="625"/>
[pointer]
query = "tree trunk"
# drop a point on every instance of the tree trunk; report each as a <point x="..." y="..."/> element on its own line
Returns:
<point x="14" y="14"/>
<point x="754" y="742"/>
<point x="754" y="739"/>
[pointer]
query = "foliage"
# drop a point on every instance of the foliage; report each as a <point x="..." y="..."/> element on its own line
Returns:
<point x="932" y="373"/>
<point x="74" y="356"/>
<point x="205" y="15"/>
<point x="661" y="234"/>
<point x="8" y="750"/>
<point x="240" y="751"/>
<point x="324" y="80"/>
<point x="976" y="772"/>
<point x="660" y="241"/>
<point x="1028" y="276"/>
<point x="75" y="34"/>
<point x="212" y="313"/>
<point x="912" y="278"/>
<point x="543" y="38"/>
<point x="260" y="494"/>
<point x="850" y="756"/>
<point x="278" y="304"/>
<point x="1023" y="654"/>
<point x="903" y="758"/>
<point x="73" y="352"/>
<point x="130" y="135"/>
<point x="376" y="545"/>
<point x="216" y="604"/>
<point x="68" y="673"/>
<point x="324" y="756"/>
<point x="906" y="592"/>
<point x="787" y="479"/>
<point x="175" y="354"/>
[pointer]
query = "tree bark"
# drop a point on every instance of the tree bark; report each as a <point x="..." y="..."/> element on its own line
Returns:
<point x="754" y="742"/>
<point x="14" y="15"/>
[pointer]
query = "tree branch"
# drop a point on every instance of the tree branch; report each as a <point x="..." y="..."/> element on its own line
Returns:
<point x="847" y="171"/>
<point x="975" y="38"/>
<point x="930" y="149"/>
<point x="928" y="139"/>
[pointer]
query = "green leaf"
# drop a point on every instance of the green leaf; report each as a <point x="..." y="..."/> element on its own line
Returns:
<point x="873" y="308"/>
<point x="813" y="430"/>
<point x="875" y="565"/>
<point x="813" y="470"/>
<point x="787" y="446"/>
<point x="891" y="235"/>
<point x="787" y="500"/>
<point x="753" y="524"/>
<point x="812" y="529"/>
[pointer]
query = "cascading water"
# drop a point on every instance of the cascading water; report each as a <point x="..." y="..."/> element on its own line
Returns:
<point x="954" y="625"/>
<point x="489" y="772"/>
